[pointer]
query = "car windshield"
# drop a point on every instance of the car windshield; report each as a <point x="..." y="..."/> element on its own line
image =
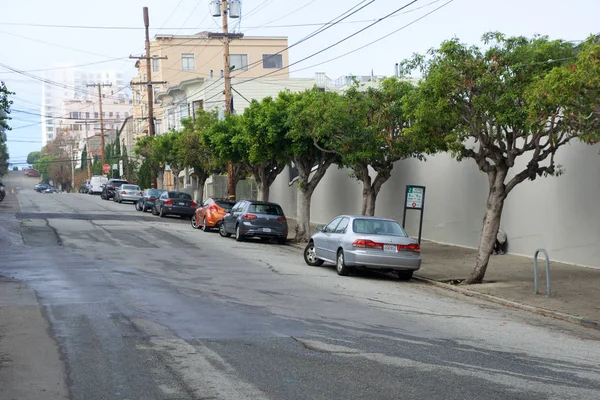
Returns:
<point x="179" y="195"/>
<point x="117" y="183"/>
<point x="225" y="205"/>
<point x="154" y="192"/>
<point x="130" y="187"/>
<point x="269" y="209"/>
<point x="378" y="227"/>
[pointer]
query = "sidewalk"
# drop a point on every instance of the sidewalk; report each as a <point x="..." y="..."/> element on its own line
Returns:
<point x="575" y="291"/>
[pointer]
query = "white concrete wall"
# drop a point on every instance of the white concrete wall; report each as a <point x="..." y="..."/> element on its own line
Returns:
<point x="561" y="214"/>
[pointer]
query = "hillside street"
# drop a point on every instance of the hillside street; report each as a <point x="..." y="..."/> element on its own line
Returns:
<point x="98" y="301"/>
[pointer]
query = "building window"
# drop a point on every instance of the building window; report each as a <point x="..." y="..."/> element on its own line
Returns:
<point x="103" y="114"/>
<point x="240" y="61"/>
<point x="272" y="61"/>
<point x="197" y="105"/>
<point x="158" y="127"/>
<point x="49" y="129"/>
<point x="118" y="115"/>
<point x="187" y="62"/>
<point x="110" y="114"/>
<point x="87" y="115"/>
<point x="74" y="115"/>
<point x="156" y="90"/>
<point x="50" y="136"/>
<point x="96" y="115"/>
<point x="155" y="65"/>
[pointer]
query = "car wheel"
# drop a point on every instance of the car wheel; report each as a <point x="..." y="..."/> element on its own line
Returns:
<point x="120" y="200"/>
<point x="144" y="207"/>
<point x="138" y="206"/>
<point x="223" y="232"/>
<point x="238" y="235"/>
<point x="341" y="267"/>
<point x="405" y="275"/>
<point x="205" y="227"/>
<point x="162" y="213"/>
<point x="154" y="211"/>
<point x="282" y="240"/>
<point x="310" y="256"/>
<point x="194" y="222"/>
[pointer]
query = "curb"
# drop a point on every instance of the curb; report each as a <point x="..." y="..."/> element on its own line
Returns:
<point x="508" y="303"/>
<point x="499" y="300"/>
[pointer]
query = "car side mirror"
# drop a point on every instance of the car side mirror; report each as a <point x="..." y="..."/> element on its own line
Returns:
<point x="320" y="228"/>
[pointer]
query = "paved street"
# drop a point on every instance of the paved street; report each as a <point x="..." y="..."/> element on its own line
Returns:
<point x="143" y="307"/>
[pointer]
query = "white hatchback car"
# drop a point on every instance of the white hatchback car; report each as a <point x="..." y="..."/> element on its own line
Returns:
<point x="97" y="184"/>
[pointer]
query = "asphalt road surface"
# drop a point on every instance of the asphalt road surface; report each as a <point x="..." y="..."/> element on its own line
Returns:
<point x="142" y="307"/>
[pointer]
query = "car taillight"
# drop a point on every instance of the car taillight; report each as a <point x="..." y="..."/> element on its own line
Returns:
<point x="213" y="208"/>
<point x="248" y="216"/>
<point x="169" y="202"/>
<point x="193" y="204"/>
<point x="151" y="198"/>
<point x="410" y="247"/>
<point x="367" y="244"/>
<point x="110" y="187"/>
<point x="282" y="219"/>
<point x="123" y="192"/>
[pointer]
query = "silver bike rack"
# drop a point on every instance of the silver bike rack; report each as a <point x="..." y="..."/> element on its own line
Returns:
<point x="535" y="271"/>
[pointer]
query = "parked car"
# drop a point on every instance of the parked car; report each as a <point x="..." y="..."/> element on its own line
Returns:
<point x="146" y="201"/>
<point x="128" y="193"/>
<point x="84" y="187"/>
<point x="210" y="214"/>
<point x="108" y="191"/>
<point x="174" y="203"/>
<point x="97" y="184"/>
<point x="40" y="187"/>
<point x="32" y="173"/>
<point x="255" y="219"/>
<point x="52" y="191"/>
<point x="351" y="241"/>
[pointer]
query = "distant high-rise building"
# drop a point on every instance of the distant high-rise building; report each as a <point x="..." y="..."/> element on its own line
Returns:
<point x="70" y="84"/>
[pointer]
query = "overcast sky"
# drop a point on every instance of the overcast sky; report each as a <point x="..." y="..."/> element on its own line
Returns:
<point x="28" y="47"/>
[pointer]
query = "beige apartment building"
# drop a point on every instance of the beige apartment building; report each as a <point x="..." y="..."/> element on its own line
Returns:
<point x="199" y="56"/>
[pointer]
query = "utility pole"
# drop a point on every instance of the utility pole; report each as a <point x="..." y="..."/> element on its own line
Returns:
<point x="87" y="155"/>
<point x="100" y="86"/>
<point x="149" y="83"/>
<point x="225" y="8"/>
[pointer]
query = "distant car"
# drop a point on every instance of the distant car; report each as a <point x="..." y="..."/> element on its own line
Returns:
<point x="15" y="168"/>
<point x="146" y="201"/>
<point x="350" y="241"/>
<point x="52" y="191"/>
<point x="174" y="203"/>
<point x="128" y="192"/>
<point x="85" y="186"/>
<point x="32" y="173"/>
<point x="40" y="187"/>
<point x="108" y="191"/>
<point x="255" y="219"/>
<point x="97" y="184"/>
<point x="210" y="214"/>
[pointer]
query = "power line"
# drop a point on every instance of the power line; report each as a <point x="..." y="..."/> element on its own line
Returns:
<point x="379" y="39"/>
<point x="336" y="43"/>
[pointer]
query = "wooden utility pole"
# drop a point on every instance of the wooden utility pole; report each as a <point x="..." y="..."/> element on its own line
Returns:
<point x="100" y="86"/>
<point x="149" y="83"/>
<point x="87" y="155"/>
<point x="227" y="77"/>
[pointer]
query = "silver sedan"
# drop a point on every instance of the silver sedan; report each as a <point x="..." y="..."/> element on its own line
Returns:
<point x="358" y="241"/>
<point x="127" y="193"/>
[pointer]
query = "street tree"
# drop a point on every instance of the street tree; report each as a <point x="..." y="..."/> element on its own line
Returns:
<point x="33" y="157"/>
<point x="380" y="135"/>
<point x="519" y="98"/>
<point x="144" y="147"/>
<point x="316" y="120"/>
<point x="166" y="151"/>
<point x="193" y="151"/>
<point x="263" y="143"/>
<point x="5" y="104"/>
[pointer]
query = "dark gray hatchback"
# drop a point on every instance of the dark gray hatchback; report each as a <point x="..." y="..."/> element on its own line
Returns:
<point x="174" y="203"/>
<point x="255" y="219"/>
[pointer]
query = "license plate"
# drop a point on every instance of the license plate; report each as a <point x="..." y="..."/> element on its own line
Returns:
<point x="181" y="203"/>
<point x="267" y="230"/>
<point x="390" y="248"/>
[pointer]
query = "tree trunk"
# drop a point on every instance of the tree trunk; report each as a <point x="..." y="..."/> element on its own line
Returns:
<point x="263" y="191"/>
<point x="175" y="173"/>
<point x="491" y="225"/>
<point x="201" y="181"/>
<point x="160" y="178"/>
<point x="303" y="199"/>
<point x="371" y="188"/>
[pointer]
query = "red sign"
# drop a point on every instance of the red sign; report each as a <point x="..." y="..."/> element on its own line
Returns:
<point x="106" y="168"/>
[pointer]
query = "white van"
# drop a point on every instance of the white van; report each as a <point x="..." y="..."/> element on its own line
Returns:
<point x="97" y="183"/>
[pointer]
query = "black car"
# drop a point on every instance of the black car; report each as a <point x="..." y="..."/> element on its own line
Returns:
<point x="40" y="187"/>
<point x="108" y="192"/>
<point x="174" y="203"/>
<point x="255" y="219"/>
<point x="147" y="199"/>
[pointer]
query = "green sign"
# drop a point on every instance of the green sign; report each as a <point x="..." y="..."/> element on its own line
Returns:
<point x="414" y="197"/>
